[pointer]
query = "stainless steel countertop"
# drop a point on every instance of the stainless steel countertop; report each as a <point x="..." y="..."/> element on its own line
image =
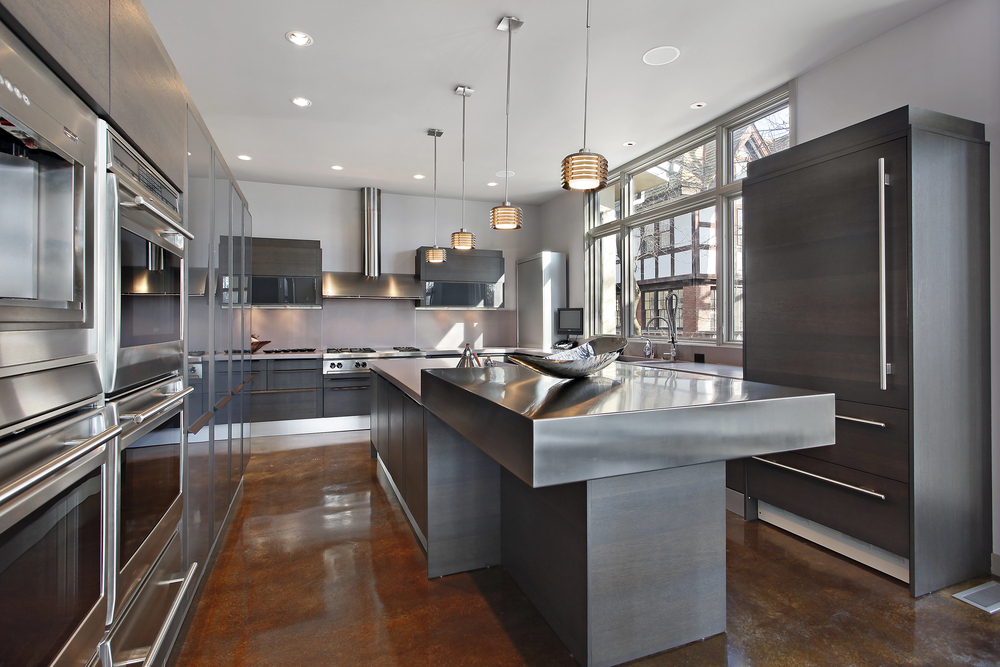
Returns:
<point x="723" y="370"/>
<point x="405" y="373"/>
<point x="624" y="420"/>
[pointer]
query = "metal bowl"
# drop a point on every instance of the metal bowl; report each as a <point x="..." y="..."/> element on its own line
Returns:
<point x="257" y="344"/>
<point x="586" y="359"/>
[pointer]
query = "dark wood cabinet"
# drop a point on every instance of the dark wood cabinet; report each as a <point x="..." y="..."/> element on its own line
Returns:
<point x="825" y="299"/>
<point x="394" y="461"/>
<point x="148" y="98"/>
<point x="463" y="266"/>
<point x="347" y="396"/>
<point x="415" y="462"/>
<point x="73" y="40"/>
<point x="283" y="389"/>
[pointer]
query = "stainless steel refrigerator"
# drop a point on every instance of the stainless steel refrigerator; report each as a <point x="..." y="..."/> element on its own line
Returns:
<point x="541" y="290"/>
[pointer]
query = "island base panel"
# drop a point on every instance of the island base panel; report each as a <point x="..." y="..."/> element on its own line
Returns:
<point x="463" y="503"/>
<point x="654" y="544"/>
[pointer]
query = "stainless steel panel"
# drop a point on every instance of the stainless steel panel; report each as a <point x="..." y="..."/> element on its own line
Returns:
<point x="626" y="419"/>
<point x="29" y="398"/>
<point x="18" y="227"/>
<point x="371" y="199"/>
<point x="541" y="290"/>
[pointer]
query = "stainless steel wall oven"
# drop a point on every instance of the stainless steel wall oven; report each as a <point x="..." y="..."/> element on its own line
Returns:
<point x="144" y="248"/>
<point x="146" y="583"/>
<point x="52" y="531"/>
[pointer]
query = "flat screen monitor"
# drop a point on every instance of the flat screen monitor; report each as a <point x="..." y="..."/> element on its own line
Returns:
<point x="569" y="321"/>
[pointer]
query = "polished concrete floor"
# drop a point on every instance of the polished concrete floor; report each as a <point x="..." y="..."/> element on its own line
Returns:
<point x="319" y="567"/>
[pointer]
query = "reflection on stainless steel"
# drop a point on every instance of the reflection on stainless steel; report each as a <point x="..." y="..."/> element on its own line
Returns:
<point x="645" y="419"/>
<point x="33" y="397"/>
<point x="571" y="395"/>
<point x="589" y="357"/>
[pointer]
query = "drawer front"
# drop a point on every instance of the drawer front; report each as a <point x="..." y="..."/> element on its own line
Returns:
<point x="339" y="401"/>
<point x="870" y="438"/>
<point x="268" y="406"/>
<point x="293" y="364"/>
<point x="294" y="379"/>
<point x="884" y="523"/>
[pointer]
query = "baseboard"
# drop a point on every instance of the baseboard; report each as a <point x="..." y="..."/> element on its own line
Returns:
<point x="845" y="545"/>
<point x="318" y="425"/>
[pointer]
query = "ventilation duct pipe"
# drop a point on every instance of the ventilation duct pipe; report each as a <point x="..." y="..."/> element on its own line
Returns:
<point x="371" y="201"/>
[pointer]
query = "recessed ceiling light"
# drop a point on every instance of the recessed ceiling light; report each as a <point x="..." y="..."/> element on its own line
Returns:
<point x="244" y="157"/>
<point x="418" y="176"/>
<point x="629" y="143"/>
<point x="504" y="174"/>
<point x="699" y="105"/>
<point x="661" y="55"/>
<point x="491" y="184"/>
<point x="301" y="102"/>
<point x="336" y="167"/>
<point x="298" y="38"/>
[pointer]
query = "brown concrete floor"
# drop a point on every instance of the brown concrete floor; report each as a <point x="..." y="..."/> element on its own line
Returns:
<point x="320" y="568"/>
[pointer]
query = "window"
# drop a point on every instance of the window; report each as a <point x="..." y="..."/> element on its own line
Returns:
<point x="681" y="230"/>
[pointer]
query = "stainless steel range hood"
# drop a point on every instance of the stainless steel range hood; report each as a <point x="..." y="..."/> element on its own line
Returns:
<point x="349" y="285"/>
<point x="371" y="203"/>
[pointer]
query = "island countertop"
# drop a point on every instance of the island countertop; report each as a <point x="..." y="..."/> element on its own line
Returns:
<point x="623" y="420"/>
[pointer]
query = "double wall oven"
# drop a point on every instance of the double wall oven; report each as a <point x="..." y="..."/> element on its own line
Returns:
<point x="56" y="434"/>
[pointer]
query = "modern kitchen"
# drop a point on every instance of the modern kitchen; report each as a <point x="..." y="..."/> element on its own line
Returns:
<point x="573" y="333"/>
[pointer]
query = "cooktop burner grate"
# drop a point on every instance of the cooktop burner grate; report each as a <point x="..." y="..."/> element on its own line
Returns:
<point x="406" y="348"/>
<point x="291" y="350"/>
<point x="350" y="350"/>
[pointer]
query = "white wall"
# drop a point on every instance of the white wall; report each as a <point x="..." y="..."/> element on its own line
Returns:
<point x="562" y="231"/>
<point x="334" y="217"/>
<point x="947" y="60"/>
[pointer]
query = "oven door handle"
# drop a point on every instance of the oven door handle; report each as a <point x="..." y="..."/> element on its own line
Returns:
<point x="141" y="202"/>
<point x="139" y="417"/>
<point x="61" y="461"/>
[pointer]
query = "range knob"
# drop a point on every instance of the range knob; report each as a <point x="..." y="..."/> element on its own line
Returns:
<point x="357" y="364"/>
<point x="364" y="364"/>
<point x="340" y="365"/>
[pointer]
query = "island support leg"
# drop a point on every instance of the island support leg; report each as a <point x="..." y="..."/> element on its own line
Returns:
<point x="621" y="567"/>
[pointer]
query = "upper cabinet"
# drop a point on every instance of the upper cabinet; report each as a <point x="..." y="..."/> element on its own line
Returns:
<point x="147" y="95"/>
<point x="463" y="266"/>
<point x="72" y="38"/>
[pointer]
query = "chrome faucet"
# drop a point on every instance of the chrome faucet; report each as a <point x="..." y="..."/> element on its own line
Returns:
<point x="673" y="337"/>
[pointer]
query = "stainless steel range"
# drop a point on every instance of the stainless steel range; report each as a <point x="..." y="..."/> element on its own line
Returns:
<point x="341" y="360"/>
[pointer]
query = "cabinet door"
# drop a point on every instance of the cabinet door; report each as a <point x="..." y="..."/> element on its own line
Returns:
<point x="147" y="95"/>
<point x="395" y="463"/>
<point x="811" y="254"/>
<point x="74" y="38"/>
<point x="415" y="462"/>
<point x="382" y="415"/>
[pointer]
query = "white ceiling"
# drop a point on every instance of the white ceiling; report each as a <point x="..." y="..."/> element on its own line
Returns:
<point x="381" y="72"/>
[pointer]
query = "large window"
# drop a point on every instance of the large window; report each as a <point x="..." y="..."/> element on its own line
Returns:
<point x="675" y="217"/>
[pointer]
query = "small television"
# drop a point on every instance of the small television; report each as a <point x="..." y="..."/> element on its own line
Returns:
<point x="569" y="321"/>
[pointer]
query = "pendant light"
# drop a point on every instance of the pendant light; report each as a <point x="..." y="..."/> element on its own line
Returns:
<point x="507" y="216"/>
<point x="463" y="239"/>
<point x="436" y="255"/>
<point x="585" y="170"/>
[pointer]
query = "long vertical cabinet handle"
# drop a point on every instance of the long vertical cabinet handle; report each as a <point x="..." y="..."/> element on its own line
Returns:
<point x="882" y="317"/>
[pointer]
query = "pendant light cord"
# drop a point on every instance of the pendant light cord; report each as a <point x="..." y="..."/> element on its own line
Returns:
<point x="506" y="147"/>
<point x="464" y="98"/>
<point x="586" y="80"/>
<point x="435" y="190"/>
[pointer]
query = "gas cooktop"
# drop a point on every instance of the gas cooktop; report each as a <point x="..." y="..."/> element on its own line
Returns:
<point x="291" y="350"/>
<point x="350" y="350"/>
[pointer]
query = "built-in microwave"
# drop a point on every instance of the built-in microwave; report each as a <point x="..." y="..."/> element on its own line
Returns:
<point x="47" y="152"/>
<point x="143" y="244"/>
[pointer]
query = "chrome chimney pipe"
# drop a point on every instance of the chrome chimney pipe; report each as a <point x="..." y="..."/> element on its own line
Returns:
<point x="371" y="201"/>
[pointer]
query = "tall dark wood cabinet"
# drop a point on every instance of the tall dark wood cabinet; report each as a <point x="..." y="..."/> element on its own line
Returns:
<point x="866" y="258"/>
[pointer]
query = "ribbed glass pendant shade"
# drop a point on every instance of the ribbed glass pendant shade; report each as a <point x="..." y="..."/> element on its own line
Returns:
<point x="463" y="240"/>
<point x="506" y="217"/>
<point x="436" y="255"/>
<point x="584" y="171"/>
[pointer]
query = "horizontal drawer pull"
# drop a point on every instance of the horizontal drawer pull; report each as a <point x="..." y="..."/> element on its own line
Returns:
<point x="200" y="424"/>
<point x="282" y="391"/>
<point x="859" y="489"/>
<point x="861" y="421"/>
<point x="162" y="406"/>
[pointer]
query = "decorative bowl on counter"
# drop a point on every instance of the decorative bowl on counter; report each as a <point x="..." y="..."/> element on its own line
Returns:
<point x="587" y="358"/>
<point x="257" y="344"/>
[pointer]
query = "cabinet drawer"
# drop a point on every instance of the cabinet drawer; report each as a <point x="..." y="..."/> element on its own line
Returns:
<point x="294" y="379"/>
<point x="268" y="406"/>
<point x="870" y="438"/>
<point x="884" y="523"/>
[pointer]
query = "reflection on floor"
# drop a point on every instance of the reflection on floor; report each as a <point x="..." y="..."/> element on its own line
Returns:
<point x="320" y="568"/>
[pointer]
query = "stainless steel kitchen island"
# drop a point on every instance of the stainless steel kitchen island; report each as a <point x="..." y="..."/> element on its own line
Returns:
<point x="603" y="497"/>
